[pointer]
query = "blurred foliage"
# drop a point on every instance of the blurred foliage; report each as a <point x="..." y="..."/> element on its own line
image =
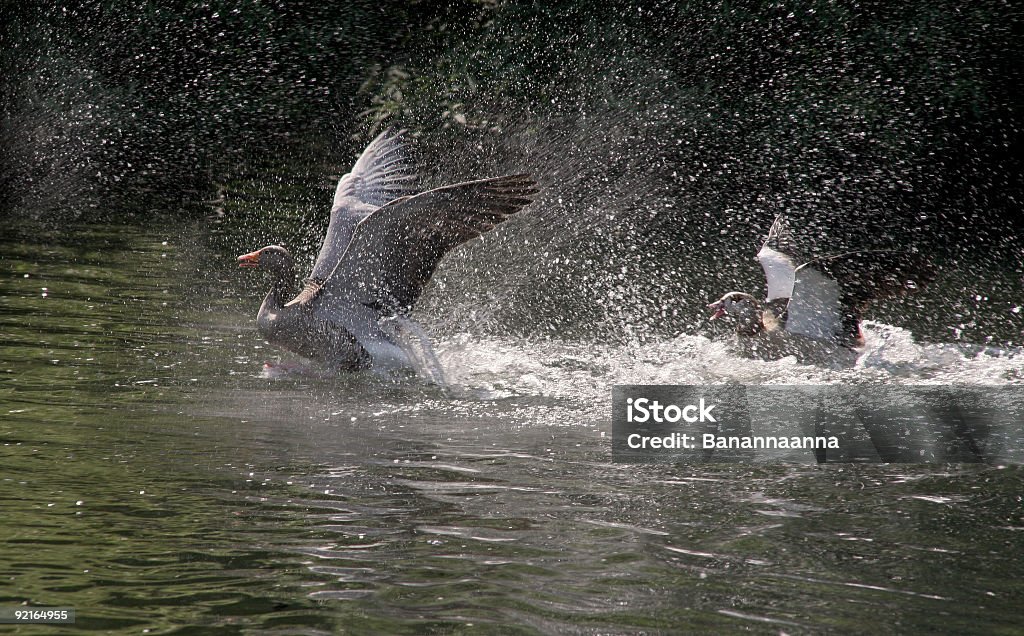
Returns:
<point x="804" y="102"/>
<point x="882" y="110"/>
<point x="174" y="96"/>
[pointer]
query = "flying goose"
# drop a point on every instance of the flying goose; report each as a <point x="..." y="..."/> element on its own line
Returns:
<point x="383" y="243"/>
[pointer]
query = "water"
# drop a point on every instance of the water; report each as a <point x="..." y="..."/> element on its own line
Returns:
<point x="154" y="480"/>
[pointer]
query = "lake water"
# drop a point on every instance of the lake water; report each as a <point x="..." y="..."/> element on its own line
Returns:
<point x="157" y="481"/>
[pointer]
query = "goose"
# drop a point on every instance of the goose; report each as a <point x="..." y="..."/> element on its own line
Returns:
<point x="815" y="307"/>
<point x="383" y="244"/>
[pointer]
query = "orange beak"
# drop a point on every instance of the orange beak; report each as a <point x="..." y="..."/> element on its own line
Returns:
<point x="252" y="259"/>
<point x="718" y="309"/>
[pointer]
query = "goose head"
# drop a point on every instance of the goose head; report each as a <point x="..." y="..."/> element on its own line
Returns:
<point x="741" y="307"/>
<point x="276" y="261"/>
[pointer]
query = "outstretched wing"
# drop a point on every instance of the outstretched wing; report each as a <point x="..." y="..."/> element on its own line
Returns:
<point x="395" y="250"/>
<point x="830" y="294"/>
<point x="776" y="260"/>
<point x="384" y="172"/>
<point x="780" y="237"/>
<point x="815" y="308"/>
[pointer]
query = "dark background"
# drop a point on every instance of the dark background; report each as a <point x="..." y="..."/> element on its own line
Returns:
<point x="667" y="137"/>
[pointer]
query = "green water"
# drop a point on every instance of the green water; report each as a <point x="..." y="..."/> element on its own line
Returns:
<point x="154" y="481"/>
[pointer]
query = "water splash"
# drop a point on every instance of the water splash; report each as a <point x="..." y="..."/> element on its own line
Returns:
<point x="497" y="368"/>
